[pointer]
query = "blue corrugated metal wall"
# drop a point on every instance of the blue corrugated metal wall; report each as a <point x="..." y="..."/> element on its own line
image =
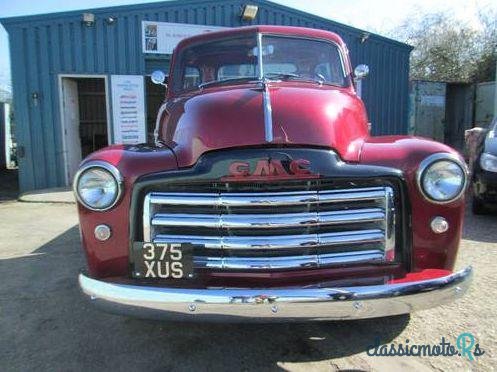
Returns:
<point x="44" y="46"/>
<point x="3" y="163"/>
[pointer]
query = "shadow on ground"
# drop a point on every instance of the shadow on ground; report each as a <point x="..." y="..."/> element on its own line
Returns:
<point x="9" y="188"/>
<point x="480" y="228"/>
<point x="46" y="324"/>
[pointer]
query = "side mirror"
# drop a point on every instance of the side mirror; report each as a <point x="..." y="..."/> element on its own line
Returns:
<point x="159" y="77"/>
<point x="361" y="71"/>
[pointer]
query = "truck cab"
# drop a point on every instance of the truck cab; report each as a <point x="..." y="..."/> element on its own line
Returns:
<point x="264" y="196"/>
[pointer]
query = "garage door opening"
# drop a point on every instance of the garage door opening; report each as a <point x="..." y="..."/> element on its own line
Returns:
<point x="84" y="112"/>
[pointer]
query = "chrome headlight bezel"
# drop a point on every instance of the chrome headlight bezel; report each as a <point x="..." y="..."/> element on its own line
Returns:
<point x="425" y="165"/>
<point x="107" y="167"/>
<point x="485" y="156"/>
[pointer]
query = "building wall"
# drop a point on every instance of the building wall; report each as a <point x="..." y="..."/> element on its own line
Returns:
<point x="427" y="117"/>
<point x="42" y="47"/>
<point x="484" y="103"/>
<point x="3" y="143"/>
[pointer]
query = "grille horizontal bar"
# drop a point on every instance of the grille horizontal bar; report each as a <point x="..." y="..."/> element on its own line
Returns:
<point x="287" y="262"/>
<point x="276" y="241"/>
<point x="267" y="199"/>
<point x="263" y="221"/>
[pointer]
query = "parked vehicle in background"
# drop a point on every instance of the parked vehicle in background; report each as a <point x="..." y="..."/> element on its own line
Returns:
<point x="265" y="197"/>
<point x="485" y="173"/>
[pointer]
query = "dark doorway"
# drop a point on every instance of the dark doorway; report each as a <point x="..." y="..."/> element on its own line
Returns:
<point x="92" y="115"/>
<point x="84" y="119"/>
<point x="458" y="113"/>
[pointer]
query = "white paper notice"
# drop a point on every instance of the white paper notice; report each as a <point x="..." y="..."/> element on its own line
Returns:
<point x="128" y="108"/>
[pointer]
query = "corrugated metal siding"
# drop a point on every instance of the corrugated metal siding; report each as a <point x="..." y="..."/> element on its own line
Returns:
<point x="428" y="106"/>
<point x="42" y="47"/>
<point x="3" y="145"/>
<point x="485" y="100"/>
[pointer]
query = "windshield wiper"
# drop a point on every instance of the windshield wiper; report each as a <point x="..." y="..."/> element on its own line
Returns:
<point x="224" y="81"/>
<point x="281" y="75"/>
<point x="291" y="76"/>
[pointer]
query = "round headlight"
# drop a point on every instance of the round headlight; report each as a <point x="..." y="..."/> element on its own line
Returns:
<point x="97" y="185"/>
<point x="442" y="178"/>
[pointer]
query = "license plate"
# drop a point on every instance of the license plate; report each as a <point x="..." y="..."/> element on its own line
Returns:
<point x="163" y="260"/>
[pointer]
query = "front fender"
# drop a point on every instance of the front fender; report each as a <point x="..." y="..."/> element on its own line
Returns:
<point x="430" y="250"/>
<point x="110" y="258"/>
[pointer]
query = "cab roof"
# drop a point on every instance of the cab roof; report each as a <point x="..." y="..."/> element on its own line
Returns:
<point x="264" y="29"/>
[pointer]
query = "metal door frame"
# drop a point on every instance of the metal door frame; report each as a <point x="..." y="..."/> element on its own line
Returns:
<point x="61" y="112"/>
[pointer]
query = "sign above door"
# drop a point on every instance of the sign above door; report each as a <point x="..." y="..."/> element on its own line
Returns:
<point x="162" y="37"/>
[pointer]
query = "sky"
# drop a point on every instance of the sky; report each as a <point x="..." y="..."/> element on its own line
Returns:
<point x="377" y="16"/>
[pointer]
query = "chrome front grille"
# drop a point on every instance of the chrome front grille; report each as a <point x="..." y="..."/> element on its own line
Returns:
<point x="276" y="230"/>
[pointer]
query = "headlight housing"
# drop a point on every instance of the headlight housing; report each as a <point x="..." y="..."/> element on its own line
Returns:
<point x="98" y="185"/>
<point x="442" y="178"/>
<point x="488" y="162"/>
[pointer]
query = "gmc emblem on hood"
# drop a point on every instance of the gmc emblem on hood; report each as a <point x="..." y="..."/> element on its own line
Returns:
<point x="270" y="169"/>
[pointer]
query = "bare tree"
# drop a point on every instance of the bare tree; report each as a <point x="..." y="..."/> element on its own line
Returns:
<point x="448" y="50"/>
<point x="486" y="68"/>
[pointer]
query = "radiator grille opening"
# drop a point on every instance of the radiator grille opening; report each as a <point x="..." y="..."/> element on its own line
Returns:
<point x="262" y="230"/>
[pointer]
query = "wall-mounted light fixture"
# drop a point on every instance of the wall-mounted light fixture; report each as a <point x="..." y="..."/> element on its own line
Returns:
<point x="35" y="97"/>
<point x="88" y="19"/>
<point x="111" y="20"/>
<point x="364" y="37"/>
<point x="249" y="12"/>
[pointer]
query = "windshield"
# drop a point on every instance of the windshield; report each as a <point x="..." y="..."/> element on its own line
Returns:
<point x="237" y="59"/>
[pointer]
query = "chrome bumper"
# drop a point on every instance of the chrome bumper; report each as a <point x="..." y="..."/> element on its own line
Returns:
<point x="279" y="304"/>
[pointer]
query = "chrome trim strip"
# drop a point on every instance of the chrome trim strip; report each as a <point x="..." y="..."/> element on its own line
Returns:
<point x="268" y="113"/>
<point x="260" y="66"/>
<point x="266" y="221"/>
<point x="267" y="199"/>
<point x="147" y="218"/>
<point x="266" y="95"/>
<point x="319" y="302"/>
<point x="276" y="241"/>
<point x="350" y="195"/>
<point x="287" y="262"/>
<point x="390" y="224"/>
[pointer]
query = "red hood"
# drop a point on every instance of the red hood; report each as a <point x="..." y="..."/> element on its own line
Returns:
<point x="303" y="114"/>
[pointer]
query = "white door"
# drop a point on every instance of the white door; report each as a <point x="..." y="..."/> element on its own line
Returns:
<point x="71" y="126"/>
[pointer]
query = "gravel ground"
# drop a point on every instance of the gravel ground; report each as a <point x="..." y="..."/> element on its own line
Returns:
<point x="46" y="325"/>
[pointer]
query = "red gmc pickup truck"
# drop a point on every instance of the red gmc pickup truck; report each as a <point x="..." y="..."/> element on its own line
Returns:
<point x="264" y="196"/>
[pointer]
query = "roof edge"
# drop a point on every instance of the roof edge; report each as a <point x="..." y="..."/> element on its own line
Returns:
<point x="11" y="21"/>
<point x="109" y="9"/>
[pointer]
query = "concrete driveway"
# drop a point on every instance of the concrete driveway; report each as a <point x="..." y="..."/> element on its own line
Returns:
<point x="46" y="325"/>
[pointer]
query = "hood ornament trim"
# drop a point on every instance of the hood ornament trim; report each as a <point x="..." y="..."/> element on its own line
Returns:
<point x="268" y="113"/>
<point x="266" y="96"/>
